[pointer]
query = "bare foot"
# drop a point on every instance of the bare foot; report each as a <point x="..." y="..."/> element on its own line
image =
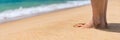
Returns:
<point x="91" y="25"/>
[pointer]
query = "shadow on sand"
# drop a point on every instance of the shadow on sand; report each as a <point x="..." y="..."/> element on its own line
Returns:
<point x="113" y="27"/>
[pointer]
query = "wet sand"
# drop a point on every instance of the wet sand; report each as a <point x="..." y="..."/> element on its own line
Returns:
<point x="59" y="25"/>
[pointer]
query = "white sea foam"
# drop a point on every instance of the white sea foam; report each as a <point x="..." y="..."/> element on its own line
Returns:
<point x="10" y="15"/>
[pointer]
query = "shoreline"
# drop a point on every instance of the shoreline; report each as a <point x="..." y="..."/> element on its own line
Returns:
<point x="11" y="16"/>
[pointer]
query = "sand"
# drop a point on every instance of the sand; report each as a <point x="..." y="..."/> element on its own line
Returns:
<point x="58" y="25"/>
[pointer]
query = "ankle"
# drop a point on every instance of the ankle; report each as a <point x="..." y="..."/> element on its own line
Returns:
<point x="99" y="23"/>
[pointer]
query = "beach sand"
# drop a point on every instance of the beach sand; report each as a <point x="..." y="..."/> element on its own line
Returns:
<point x="58" y="25"/>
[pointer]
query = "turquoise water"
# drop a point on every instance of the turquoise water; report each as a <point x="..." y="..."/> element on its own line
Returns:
<point x="18" y="9"/>
<point x="14" y="4"/>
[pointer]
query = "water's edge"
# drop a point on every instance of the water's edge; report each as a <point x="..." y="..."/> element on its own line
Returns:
<point x="21" y="13"/>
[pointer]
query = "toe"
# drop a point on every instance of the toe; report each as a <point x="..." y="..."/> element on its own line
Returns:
<point x="79" y="25"/>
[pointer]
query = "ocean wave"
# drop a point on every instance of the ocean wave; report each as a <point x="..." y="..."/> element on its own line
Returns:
<point x="10" y="15"/>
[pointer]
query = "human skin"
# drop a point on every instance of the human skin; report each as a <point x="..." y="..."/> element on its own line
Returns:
<point x="99" y="8"/>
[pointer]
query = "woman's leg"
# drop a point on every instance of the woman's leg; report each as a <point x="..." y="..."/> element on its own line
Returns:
<point x="99" y="15"/>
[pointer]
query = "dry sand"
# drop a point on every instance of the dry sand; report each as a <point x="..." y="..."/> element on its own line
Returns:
<point x="59" y="26"/>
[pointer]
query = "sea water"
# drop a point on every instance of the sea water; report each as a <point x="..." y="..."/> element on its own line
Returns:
<point x="17" y="9"/>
